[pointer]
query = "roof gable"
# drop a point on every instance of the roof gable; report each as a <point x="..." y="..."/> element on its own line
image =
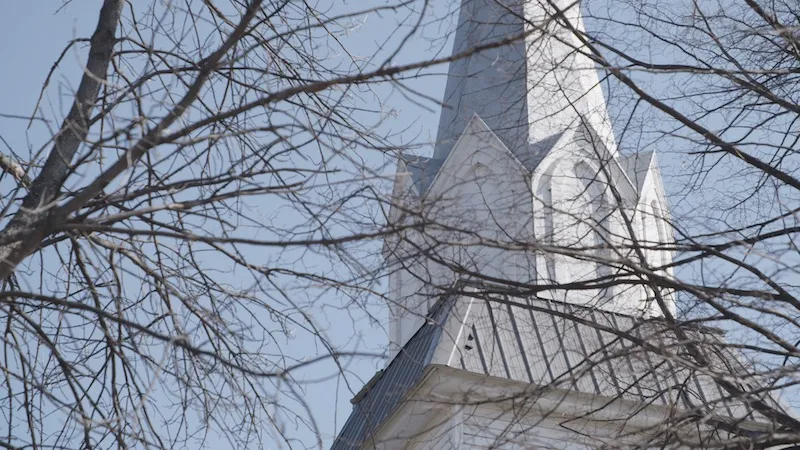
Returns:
<point x="424" y="171"/>
<point x="636" y="167"/>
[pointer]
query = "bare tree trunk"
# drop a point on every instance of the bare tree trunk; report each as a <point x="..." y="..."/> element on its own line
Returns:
<point x="30" y="224"/>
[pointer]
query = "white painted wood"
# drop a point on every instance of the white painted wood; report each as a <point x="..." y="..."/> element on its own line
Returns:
<point x="487" y="213"/>
<point x="502" y="222"/>
<point x="472" y="414"/>
<point x="526" y="91"/>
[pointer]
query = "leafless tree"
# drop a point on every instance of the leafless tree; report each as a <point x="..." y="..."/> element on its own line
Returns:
<point x="171" y="244"/>
<point x="218" y="186"/>
<point x="720" y="103"/>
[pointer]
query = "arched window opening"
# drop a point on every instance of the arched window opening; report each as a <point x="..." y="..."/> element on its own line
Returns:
<point x="659" y="233"/>
<point x="544" y="228"/>
<point x="593" y="215"/>
<point x="643" y="222"/>
<point x="595" y="191"/>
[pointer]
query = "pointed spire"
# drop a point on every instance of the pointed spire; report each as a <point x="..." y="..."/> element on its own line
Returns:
<point x="526" y="91"/>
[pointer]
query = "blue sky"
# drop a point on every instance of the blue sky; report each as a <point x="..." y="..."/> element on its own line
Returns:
<point x="35" y="33"/>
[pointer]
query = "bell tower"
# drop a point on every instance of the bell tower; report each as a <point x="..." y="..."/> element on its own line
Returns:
<point x="525" y="186"/>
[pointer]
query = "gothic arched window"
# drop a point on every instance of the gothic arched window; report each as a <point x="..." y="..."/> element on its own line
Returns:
<point x="572" y="213"/>
<point x="544" y="229"/>
<point x="589" y="205"/>
<point x="593" y="213"/>
<point x="659" y="233"/>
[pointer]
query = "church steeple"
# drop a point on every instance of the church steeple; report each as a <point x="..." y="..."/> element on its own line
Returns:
<point x="527" y="91"/>
<point x="517" y="167"/>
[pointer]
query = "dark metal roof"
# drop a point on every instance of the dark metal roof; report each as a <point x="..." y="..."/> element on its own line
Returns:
<point x="382" y="396"/>
<point x="534" y="153"/>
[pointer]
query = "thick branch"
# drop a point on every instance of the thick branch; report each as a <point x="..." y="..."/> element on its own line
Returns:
<point x="73" y="131"/>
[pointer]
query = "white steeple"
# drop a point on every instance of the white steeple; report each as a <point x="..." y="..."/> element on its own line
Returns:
<point x="529" y="90"/>
<point x="524" y="165"/>
<point x="527" y="194"/>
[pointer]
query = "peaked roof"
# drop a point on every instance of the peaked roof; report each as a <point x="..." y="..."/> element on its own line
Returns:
<point x="636" y="167"/>
<point x="424" y="170"/>
<point x="491" y="83"/>
<point x="559" y="345"/>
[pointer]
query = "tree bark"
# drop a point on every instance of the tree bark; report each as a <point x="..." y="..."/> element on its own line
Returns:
<point x="30" y="223"/>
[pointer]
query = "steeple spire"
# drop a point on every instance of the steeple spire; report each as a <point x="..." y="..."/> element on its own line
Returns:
<point x="526" y="91"/>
